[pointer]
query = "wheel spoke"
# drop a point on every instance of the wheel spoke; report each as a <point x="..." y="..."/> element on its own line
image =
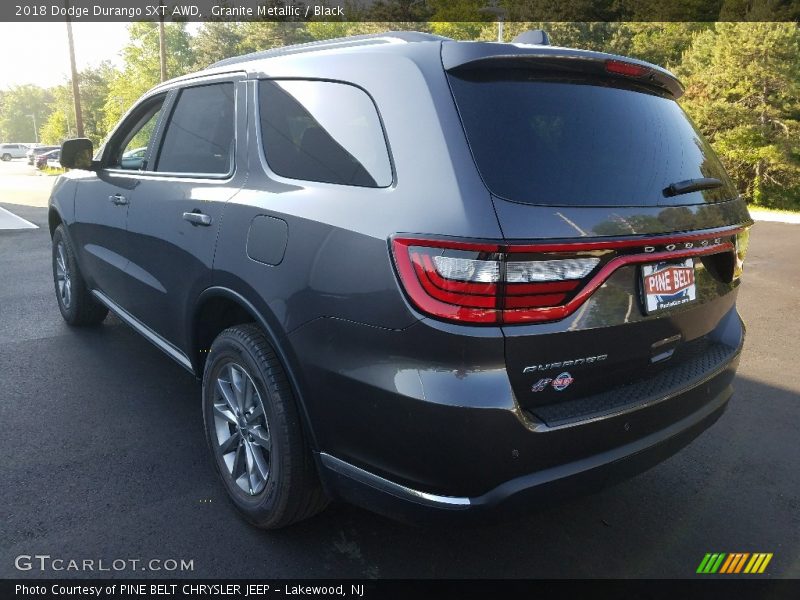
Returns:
<point x="260" y="462"/>
<point x="251" y="466"/>
<point x="238" y="468"/>
<point x="238" y="386"/>
<point x="67" y="292"/>
<point x="257" y="411"/>
<point x="61" y="259"/>
<point x="249" y="392"/>
<point x="223" y="410"/>
<point x="231" y="444"/>
<point x="260" y="437"/>
<point x="226" y="389"/>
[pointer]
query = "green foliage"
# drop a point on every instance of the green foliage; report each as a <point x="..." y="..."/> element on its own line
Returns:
<point x="263" y="35"/>
<point x="95" y="84"/>
<point x="142" y="66"/>
<point x="18" y="104"/>
<point x="742" y="79"/>
<point x="659" y="43"/>
<point x="61" y="123"/>
<point x="214" y="41"/>
<point x="743" y="91"/>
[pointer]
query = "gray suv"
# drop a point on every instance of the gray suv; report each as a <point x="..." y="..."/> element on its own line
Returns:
<point x="432" y="278"/>
<point x="9" y="151"/>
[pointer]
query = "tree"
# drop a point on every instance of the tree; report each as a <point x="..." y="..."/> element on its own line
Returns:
<point x="142" y="65"/>
<point x="19" y="103"/>
<point x="263" y="35"/>
<point x="60" y="123"/>
<point x="587" y="35"/>
<point x="743" y="90"/>
<point x="659" y="43"/>
<point x="95" y="85"/>
<point x="214" y="41"/>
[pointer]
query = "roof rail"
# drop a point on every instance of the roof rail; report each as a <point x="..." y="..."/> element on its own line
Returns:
<point x="353" y="40"/>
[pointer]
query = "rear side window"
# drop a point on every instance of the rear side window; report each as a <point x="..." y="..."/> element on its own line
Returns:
<point x="323" y="131"/>
<point x="200" y="133"/>
<point x="581" y="142"/>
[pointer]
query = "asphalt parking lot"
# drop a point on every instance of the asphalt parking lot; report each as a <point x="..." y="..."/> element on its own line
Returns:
<point x="103" y="457"/>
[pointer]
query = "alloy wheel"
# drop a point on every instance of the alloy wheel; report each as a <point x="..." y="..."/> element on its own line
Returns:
<point x="242" y="430"/>
<point x="63" y="278"/>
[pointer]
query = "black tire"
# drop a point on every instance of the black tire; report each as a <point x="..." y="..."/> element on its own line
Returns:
<point x="291" y="489"/>
<point x="78" y="307"/>
<point x="6" y="157"/>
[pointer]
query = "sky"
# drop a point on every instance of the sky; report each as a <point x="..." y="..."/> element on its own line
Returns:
<point x="39" y="55"/>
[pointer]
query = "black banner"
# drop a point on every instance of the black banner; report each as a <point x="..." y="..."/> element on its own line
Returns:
<point x="400" y="10"/>
<point x="710" y="588"/>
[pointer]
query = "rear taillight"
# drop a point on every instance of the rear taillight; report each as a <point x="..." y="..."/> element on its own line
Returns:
<point x="493" y="283"/>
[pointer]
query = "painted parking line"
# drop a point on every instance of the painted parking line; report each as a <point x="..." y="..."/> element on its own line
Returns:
<point x="9" y="220"/>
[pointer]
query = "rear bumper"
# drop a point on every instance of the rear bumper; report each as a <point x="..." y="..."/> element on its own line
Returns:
<point x="535" y="490"/>
<point x="403" y="435"/>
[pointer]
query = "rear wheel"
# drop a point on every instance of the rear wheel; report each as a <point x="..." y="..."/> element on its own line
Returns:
<point x="6" y="157"/>
<point x="76" y="304"/>
<point x="253" y="430"/>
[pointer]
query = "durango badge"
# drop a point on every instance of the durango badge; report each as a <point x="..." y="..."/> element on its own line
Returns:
<point x="562" y="381"/>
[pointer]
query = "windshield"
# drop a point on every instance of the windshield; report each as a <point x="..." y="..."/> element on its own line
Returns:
<point x="581" y="141"/>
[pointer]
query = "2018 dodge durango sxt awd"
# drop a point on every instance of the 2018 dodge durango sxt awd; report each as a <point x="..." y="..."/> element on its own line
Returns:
<point x="420" y="275"/>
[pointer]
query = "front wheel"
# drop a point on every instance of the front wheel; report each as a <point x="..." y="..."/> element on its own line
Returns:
<point x="74" y="300"/>
<point x="254" y="432"/>
<point x="6" y="157"/>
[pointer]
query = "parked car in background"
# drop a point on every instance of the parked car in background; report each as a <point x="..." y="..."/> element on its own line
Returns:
<point x="53" y="159"/>
<point x="43" y="159"/>
<point x="9" y="151"/>
<point x="37" y="151"/>
<point x="133" y="159"/>
<point x="421" y="275"/>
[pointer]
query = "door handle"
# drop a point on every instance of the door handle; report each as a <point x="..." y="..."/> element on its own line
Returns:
<point x="197" y="218"/>
<point x="118" y="199"/>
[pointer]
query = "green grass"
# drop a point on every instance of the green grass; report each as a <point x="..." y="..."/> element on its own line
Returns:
<point x="53" y="171"/>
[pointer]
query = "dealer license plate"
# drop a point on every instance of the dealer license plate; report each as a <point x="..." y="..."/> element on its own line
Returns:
<point x="668" y="284"/>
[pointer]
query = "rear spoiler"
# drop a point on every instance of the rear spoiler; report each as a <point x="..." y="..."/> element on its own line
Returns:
<point x="457" y="56"/>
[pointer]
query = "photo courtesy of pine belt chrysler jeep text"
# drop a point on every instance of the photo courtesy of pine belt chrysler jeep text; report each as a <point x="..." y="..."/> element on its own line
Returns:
<point x="427" y="277"/>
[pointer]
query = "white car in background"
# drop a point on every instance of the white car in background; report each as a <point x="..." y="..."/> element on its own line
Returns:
<point x="9" y="151"/>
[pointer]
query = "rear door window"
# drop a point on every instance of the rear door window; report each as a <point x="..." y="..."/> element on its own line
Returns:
<point x="200" y="134"/>
<point x="323" y="131"/>
<point x="585" y="142"/>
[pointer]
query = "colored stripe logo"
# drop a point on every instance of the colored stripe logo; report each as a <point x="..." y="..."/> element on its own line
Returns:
<point x="735" y="562"/>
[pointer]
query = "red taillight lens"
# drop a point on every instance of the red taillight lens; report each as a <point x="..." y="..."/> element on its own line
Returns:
<point x="478" y="283"/>
<point x="491" y="283"/>
<point x="458" y="283"/>
<point x="618" y="67"/>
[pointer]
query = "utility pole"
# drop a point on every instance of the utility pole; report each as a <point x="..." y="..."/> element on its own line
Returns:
<point x="162" y="43"/>
<point x="76" y="94"/>
<point x="500" y="13"/>
<point x="35" y="131"/>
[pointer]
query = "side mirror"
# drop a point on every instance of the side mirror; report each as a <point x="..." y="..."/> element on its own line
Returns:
<point x="77" y="154"/>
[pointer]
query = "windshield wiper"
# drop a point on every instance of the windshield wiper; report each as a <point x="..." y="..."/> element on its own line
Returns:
<point x="691" y="185"/>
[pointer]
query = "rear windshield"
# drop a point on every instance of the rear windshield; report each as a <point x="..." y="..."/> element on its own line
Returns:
<point x="559" y="141"/>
